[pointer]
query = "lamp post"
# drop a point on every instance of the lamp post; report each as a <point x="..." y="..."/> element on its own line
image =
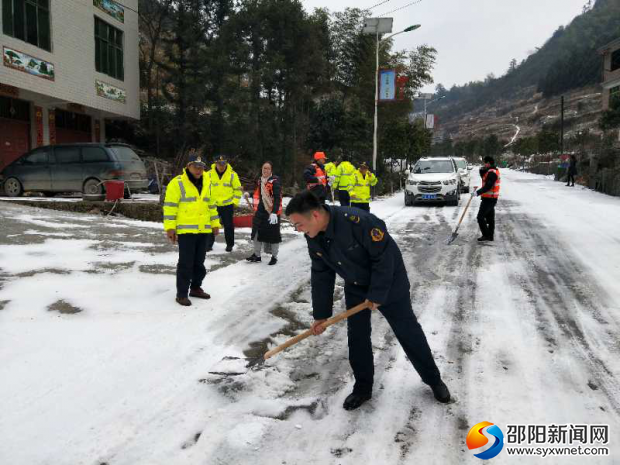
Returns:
<point x="432" y="101"/>
<point x="376" y="26"/>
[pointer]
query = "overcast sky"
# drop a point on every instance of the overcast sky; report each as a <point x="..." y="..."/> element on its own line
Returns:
<point x="473" y="37"/>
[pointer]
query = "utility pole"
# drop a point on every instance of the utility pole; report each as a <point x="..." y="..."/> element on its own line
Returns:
<point x="562" y="129"/>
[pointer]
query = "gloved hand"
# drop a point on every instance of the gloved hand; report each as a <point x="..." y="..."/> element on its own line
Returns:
<point x="273" y="219"/>
<point x="332" y="179"/>
<point x="474" y="193"/>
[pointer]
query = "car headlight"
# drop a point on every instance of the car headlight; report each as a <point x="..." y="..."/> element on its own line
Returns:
<point x="449" y="181"/>
<point x="413" y="183"/>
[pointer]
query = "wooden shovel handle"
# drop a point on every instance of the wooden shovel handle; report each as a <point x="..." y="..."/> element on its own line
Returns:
<point x="308" y="333"/>
<point x="464" y="211"/>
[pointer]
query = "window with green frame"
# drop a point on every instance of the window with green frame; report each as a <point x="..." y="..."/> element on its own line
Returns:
<point x="27" y="20"/>
<point x="109" y="50"/>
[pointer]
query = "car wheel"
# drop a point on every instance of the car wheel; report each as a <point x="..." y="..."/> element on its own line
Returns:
<point x="466" y="190"/>
<point x="407" y="201"/>
<point x="92" y="186"/>
<point x="13" y="188"/>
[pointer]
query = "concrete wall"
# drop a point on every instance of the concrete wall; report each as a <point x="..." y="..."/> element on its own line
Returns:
<point x="73" y="56"/>
<point x="610" y="78"/>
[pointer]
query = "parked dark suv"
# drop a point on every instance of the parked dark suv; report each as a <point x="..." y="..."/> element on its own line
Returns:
<point x="74" y="168"/>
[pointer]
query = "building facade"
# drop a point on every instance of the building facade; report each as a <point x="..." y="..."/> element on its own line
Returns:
<point x="67" y="66"/>
<point x="611" y="72"/>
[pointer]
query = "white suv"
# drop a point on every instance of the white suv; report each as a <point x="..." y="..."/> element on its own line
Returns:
<point x="433" y="180"/>
<point x="464" y="173"/>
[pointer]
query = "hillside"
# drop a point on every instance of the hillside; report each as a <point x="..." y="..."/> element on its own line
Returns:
<point x="528" y="113"/>
<point x="567" y="64"/>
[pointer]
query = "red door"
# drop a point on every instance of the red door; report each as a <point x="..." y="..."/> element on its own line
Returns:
<point x="14" y="140"/>
<point x="69" y="136"/>
<point x="72" y="127"/>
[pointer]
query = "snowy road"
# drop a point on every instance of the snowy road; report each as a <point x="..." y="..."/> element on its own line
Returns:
<point x="100" y="366"/>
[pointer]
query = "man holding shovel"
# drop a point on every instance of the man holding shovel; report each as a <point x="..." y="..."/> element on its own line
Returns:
<point x="356" y="245"/>
<point x="489" y="193"/>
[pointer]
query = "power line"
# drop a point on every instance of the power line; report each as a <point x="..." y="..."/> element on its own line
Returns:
<point x="402" y="7"/>
<point x="378" y="4"/>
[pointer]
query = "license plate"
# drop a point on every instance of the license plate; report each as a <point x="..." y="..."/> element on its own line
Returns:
<point x="429" y="197"/>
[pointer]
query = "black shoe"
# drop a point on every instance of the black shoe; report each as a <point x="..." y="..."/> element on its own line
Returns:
<point x="441" y="393"/>
<point x="209" y="249"/>
<point x="253" y="259"/>
<point x="273" y="261"/>
<point x="567" y="185"/>
<point x="184" y="301"/>
<point x="229" y="248"/>
<point x="484" y="239"/>
<point x="355" y="400"/>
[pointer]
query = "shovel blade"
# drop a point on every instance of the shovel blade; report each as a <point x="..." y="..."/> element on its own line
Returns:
<point x="452" y="238"/>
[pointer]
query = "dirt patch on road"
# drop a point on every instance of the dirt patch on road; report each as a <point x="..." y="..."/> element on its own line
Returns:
<point x="64" y="308"/>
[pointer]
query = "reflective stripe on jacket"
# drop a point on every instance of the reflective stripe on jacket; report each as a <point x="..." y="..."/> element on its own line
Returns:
<point x="494" y="192"/>
<point x="186" y="210"/>
<point x="360" y="192"/>
<point x="344" y="176"/>
<point x="226" y="189"/>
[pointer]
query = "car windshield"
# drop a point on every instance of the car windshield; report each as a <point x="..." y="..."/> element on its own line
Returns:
<point x="461" y="164"/>
<point x="125" y="153"/>
<point x="433" y="166"/>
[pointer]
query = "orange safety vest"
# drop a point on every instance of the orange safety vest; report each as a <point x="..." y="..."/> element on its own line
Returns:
<point x="257" y="196"/>
<point x="494" y="192"/>
<point x="320" y="175"/>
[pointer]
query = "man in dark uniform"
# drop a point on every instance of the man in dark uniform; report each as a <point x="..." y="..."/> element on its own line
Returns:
<point x="356" y="245"/>
<point x="489" y="192"/>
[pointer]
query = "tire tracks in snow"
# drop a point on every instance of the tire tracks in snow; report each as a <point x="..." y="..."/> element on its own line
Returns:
<point x="563" y="295"/>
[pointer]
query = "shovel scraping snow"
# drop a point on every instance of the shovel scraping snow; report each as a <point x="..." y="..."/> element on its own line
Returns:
<point x="233" y="366"/>
<point x="455" y="234"/>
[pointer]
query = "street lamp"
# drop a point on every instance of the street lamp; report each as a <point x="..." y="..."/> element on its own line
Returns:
<point x="378" y="26"/>
<point x="432" y="101"/>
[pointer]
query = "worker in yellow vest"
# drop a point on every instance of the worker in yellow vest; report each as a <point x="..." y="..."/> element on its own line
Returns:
<point x="331" y="171"/>
<point x="363" y="180"/>
<point x="226" y="192"/>
<point x="190" y="218"/>
<point x="344" y="181"/>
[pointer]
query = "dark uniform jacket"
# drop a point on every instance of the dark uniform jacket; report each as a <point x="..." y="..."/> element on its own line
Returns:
<point x="356" y="246"/>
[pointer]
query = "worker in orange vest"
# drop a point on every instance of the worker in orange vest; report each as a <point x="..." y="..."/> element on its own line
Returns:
<point x="316" y="178"/>
<point x="489" y="192"/>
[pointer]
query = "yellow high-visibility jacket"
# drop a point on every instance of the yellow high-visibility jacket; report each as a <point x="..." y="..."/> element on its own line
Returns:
<point x="344" y="176"/>
<point x="361" y="186"/>
<point x="225" y="190"/>
<point x="331" y="169"/>
<point x="188" y="211"/>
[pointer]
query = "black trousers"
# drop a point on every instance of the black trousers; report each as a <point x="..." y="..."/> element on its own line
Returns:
<point x="344" y="198"/>
<point x="361" y="206"/>
<point x="486" y="217"/>
<point x="409" y="334"/>
<point x="571" y="180"/>
<point x="191" y="266"/>
<point x="226" y="219"/>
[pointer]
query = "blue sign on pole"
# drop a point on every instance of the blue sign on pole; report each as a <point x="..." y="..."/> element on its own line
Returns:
<point x="387" y="84"/>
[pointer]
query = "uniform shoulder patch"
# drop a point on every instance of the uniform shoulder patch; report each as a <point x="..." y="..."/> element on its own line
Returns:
<point x="354" y="218"/>
<point x="376" y="234"/>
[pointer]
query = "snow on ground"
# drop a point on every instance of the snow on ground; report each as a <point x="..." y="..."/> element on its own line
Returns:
<point x="100" y="365"/>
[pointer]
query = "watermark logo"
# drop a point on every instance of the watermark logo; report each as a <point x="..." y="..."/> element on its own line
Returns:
<point x="475" y="440"/>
